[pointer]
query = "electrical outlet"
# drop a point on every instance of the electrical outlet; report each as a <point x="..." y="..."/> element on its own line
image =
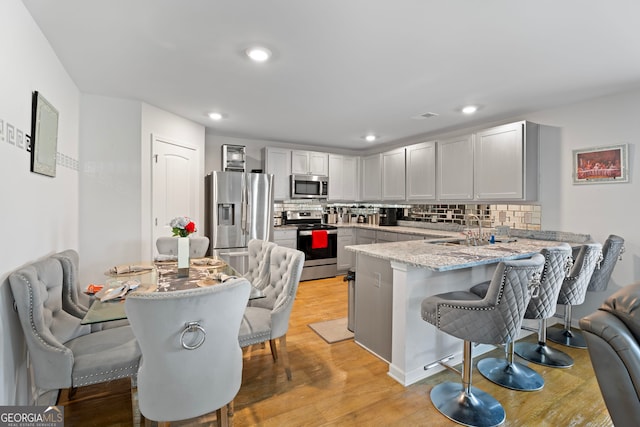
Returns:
<point x="378" y="279"/>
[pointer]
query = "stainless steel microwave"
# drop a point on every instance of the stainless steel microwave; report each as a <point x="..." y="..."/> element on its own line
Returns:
<point x="309" y="186"/>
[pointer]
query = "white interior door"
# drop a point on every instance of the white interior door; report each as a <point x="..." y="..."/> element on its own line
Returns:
<point x="175" y="184"/>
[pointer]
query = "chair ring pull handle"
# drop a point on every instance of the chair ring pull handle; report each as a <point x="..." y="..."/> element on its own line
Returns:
<point x="192" y="327"/>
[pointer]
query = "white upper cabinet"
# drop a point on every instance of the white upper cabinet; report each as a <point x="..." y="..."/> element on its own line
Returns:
<point x="278" y="162"/>
<point x="506" y="162"/>
<point x="421" y="171"/>
<point x="350" y="177"/>
<point x="393" y="174"/>
<point x="371" y="177"/>
<point x="455" y="168"/>
<point x="343" y="177"/>
<point x="309" y="163"/>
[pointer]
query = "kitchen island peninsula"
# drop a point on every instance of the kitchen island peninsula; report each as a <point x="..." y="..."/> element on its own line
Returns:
<point x="392" y="279"/>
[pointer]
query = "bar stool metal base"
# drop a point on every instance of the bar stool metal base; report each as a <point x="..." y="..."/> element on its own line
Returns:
<point x="515" y="376"/>
<point x="566" y="337"/>
<point x="543" y="355"/>
<point x="475" y="408"/>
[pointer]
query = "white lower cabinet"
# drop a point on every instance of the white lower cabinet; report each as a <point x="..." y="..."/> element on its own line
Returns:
<point x="365" y="236"/>
<point x="287" y="238"/>
<point x="373" y="305"/>
<point x="404" y="237"/>
<point x="386" y="236"/>
<point x="346" y="237"/>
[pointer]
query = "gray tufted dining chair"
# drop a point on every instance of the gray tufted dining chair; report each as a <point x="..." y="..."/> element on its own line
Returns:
<point x="557" y="265"/>
<point x="191" y="359"/>
<point x="267" y="319"/>
<point x="259" y="262"/>
<point x="74" y="301"/>
<point x="573" y="292"/>
<point x="63" y="352"/>
<point x="198" y="246"/>
<point x="612" y="251"/>
<point x="494" y="319"/>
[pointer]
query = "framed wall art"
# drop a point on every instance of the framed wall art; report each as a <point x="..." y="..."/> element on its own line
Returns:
<point x="601" y="165"/>
<point x="44" y="136"/>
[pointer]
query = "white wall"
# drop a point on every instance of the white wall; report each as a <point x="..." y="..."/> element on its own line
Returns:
<point x="115" y="189"/>
<point x="173" y="128"/>
<point x="598" y="209"/>
<point x="39" y="214"/>
<point x="110" y="191"/>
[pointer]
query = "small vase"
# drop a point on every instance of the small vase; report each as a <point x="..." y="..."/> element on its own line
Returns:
<point x="183" y="257"/>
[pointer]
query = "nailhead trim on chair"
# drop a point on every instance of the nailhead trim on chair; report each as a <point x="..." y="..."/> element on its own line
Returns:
<point x="493" y="307"/>
<point x="77" y="381"/>
<point x="31" y="321"/>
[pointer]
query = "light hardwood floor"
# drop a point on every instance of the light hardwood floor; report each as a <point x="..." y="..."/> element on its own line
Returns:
<point x="343" y="384"/>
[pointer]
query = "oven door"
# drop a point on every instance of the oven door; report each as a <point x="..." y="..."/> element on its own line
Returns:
<point x="305" y="244"/>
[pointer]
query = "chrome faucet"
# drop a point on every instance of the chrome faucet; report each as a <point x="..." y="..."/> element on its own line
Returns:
<point x="477" y="239"/>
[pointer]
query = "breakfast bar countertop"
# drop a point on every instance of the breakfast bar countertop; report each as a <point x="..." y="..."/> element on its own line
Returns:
<point x="436" y="255"/>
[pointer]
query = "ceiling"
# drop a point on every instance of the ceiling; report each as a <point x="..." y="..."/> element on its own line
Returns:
<point x="344" y="68"/>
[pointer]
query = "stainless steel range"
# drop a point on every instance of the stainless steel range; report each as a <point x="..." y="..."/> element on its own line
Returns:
<point x="318" y="241"/>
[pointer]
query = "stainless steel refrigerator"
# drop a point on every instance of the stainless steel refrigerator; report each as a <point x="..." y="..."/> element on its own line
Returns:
<point x="238" y="208"/>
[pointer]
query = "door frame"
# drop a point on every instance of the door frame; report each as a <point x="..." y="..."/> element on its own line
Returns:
<point x="147" y="214"/>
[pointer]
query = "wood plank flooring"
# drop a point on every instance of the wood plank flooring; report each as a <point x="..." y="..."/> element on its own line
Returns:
<point x="344" y="385"/>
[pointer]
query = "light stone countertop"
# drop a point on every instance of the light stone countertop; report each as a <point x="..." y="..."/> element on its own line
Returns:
<point x="443" y="257"/>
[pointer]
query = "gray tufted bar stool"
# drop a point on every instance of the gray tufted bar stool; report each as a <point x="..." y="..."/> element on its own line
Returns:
<point x="612" y="251"/>
<point x="557" y="264"/>
<point x="514" y="375"/>
<point x="573" y="292"/>
<point x="495" y="319"/>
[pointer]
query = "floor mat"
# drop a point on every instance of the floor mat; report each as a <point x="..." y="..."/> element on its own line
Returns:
<point x="332" y="331"/>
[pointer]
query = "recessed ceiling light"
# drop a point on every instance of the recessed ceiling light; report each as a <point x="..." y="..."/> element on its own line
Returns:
<point x="469" y="109"/>
<point x="215" y="116"/>
<point x="370" y="137"/>
<point x="258" y="53"/>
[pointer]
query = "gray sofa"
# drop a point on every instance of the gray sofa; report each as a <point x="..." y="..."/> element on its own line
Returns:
<point x="613" y="334"/>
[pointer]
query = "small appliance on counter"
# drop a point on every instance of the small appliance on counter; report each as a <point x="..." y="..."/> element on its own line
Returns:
<point x="388" y="216"/>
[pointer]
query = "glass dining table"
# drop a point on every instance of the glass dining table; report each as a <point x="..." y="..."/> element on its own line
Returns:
<point x="161" y="276"/>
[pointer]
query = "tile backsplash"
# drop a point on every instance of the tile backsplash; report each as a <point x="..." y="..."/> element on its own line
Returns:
<point x="522" y="217"/>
